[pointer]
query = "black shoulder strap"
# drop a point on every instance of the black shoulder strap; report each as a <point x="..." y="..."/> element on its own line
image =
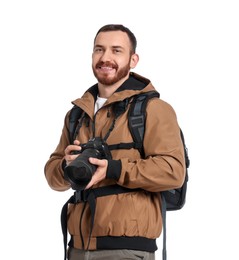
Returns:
<point x="185" y="149"/>
<point x="75" y="114"/>
<point x="137" y="116"/>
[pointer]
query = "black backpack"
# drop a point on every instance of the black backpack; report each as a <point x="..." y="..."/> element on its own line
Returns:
<point x="171" y="199"/>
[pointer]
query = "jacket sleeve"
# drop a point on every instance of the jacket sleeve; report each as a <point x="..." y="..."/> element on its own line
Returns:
<point x="54" y="167"/>
<point x="163" y="167"/>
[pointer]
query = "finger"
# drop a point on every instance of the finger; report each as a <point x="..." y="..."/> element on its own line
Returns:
<point x="71" y="148"/>
<point x="77" y="142"/>
<point x="70" y="157"/>
<point x="67" y="150"/>
<point x="97" y="162"/>
<point x="90" y="184"/>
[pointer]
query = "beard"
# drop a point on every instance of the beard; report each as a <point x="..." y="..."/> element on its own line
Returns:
<point x="106" y="79"/>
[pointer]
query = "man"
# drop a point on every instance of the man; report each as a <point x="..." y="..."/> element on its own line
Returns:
<point x="125" y="223"/>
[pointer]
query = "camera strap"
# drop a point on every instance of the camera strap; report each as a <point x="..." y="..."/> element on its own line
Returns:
<point x="89" y="196"/>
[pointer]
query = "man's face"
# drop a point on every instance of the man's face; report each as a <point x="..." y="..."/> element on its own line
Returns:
<point x="111" y="58"/>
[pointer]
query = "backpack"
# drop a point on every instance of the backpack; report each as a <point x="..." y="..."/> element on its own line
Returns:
<point x="172" y="199"/>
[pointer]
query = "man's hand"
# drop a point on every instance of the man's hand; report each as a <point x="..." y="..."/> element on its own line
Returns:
<point x="100" y="173"/>
<point x="69" y="156"/>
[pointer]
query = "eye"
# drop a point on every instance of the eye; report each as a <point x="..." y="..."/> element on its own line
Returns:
<point x="117" y="50"/>
<point x="98" y="49"/>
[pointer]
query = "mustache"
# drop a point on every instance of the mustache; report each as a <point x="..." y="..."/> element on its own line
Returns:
<point x="106" y="64"/>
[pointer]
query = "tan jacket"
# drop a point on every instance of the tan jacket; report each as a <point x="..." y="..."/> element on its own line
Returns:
<point x="129" y="220"/>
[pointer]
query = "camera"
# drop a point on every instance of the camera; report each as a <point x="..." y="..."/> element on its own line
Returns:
<point x="79" y="172"/>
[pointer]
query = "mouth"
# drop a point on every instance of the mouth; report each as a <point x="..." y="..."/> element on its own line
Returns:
<point x="106" y="67"/>
<point x="106" y="71"/>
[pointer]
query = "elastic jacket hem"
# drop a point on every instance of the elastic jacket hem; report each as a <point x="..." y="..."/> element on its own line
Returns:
<point x="131" y="243"/>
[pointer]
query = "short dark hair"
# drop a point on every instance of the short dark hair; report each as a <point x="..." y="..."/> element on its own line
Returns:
<point x="120" y="27"/>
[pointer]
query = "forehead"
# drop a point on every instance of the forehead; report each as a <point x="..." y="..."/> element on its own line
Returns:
<point x="112" y="38"/>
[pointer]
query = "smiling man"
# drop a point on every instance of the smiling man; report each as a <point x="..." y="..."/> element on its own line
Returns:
<point x="115" y="212"/>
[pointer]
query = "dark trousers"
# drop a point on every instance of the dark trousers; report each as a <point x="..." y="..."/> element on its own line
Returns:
<point x="123" y="254"/>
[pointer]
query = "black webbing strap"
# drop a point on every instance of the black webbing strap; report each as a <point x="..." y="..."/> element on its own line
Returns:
<point x="125" y="146"/>
<point x="64" y="223"/>
<point x="74" y="117"/>
<point x="164" y="208"/>
<point x="137" y="117"/>
<point x="89" y="196"/>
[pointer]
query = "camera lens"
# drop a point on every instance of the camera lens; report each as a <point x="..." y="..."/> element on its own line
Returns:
<point x="79" y="172"/>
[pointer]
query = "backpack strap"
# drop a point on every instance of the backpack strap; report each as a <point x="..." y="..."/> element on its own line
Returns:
<point x="137" y="117"/>
<point x="76" y="114"/>
<point x="164" y="209"/>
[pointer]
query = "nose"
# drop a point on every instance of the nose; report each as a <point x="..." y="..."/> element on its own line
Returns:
<point x="106" y="56"/>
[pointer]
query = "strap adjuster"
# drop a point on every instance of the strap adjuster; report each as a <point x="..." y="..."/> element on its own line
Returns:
<point x="81" y="196"/>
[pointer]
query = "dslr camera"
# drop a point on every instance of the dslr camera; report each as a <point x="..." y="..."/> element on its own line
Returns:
<point x="80" y="171"/>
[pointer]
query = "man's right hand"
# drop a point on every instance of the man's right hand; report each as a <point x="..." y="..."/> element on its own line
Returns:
<point x="71" y="152"/>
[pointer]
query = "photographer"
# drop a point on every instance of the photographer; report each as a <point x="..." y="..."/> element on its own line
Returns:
<point x="116" y="212"/>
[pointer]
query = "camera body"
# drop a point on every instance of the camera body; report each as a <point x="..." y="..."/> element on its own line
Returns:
<point x="80" y="171"/>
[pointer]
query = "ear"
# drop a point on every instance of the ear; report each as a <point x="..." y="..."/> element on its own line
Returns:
<point x="134" y="60"/>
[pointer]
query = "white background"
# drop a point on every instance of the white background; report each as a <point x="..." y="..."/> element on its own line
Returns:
<point x="189" y="50"/>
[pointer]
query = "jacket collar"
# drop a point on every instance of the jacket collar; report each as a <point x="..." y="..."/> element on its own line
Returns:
<point x="134" y="85"/>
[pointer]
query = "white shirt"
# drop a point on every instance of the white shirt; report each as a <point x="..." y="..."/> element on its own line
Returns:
<point x="99" y="103"/>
